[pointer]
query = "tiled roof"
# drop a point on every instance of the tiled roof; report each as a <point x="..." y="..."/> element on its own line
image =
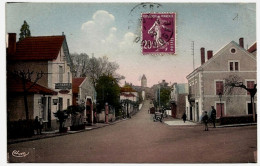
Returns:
<point x="128" y="95"/>
<point x="127" y="89"/>
<point x="15" y="85"/>
<point x="76" y="83"/>
<point x="252" y="48"/>
<point x="38" y="48"/>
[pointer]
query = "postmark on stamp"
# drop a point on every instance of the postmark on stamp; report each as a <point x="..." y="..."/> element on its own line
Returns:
<point x="158" y="33"/>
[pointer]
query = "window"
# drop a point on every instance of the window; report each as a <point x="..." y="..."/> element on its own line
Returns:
<point x="233" y="50"/>
<point x="60" y="74"/>
<point x="68" y="77"/>
<point x="250" y="85"/>
<point x="233" y="66"/>
<point x="68" y="102"/>
<point x="219" y="87"/>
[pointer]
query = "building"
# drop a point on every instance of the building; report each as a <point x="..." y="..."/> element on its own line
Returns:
<point x="177" y="99"/>
<point x="143" y="81"/>
<point x="129" y="98"/>
<point x="47" y="56"/>
<point x="84" y="93"/>
<point x="207" y="82"/>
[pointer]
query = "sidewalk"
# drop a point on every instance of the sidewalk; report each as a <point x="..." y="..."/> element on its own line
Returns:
<point x="179" y="122"/>
<point x="55" y="133"/>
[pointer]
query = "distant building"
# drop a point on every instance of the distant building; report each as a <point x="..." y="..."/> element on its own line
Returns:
<point x="207" y="82"/>
<point x="143" y="81"/>
<point x="177" y="99"/>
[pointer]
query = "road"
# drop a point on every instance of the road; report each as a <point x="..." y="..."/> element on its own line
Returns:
<point x="140" y="140"/>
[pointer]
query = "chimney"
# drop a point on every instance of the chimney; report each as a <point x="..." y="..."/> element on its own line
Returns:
<point x="11" y="43"/>
<point x="202" y="53"/>
<point x="210" y="54"/>
<point x="241" y="42"/>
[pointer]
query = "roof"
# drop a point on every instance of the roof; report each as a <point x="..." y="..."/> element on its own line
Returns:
<point x="127" y="89"/>
<point x="219" y="52"/>
<point x="128" y="95"/>
<point x="38" y="48"/>
<point x="76" y="82"/>
<point x="15" y="85"/>
<point x="252" y="48"/>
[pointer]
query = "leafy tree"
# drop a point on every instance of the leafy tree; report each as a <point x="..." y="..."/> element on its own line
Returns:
<point x="164" y="96"/>
<point x="24" y="31"/>
<point x="234" y="81"/>
<point x="94" y="67"/>
<point x="108" y="91"/>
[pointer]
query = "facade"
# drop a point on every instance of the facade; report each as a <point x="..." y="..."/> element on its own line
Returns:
<point x="48" y="55"/>
<point x="84" y="93"/>
<point x="207" y="82"/>
<point x="177" y="99"/>
<point x="128" y="97"/>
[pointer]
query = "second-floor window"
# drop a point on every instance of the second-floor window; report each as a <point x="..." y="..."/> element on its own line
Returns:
<point x="60" y="74"/>
<point x="219" y="87"/>
<point x="233" y="66"/>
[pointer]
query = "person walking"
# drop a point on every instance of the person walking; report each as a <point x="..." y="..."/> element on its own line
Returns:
<point x="184" y="116"/>
<point x="205" y="120"/>
<point x="213" y="116"/>
<point x="36" y="124"/>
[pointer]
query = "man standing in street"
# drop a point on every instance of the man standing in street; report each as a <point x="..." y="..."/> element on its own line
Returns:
<point x="213" y="116"/>
<point x="205" y="120"/>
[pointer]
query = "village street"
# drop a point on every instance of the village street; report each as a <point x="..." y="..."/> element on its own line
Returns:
<point x="140" y="140"/>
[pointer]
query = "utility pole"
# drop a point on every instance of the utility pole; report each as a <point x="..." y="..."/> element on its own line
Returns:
<point x="192" y="49"/>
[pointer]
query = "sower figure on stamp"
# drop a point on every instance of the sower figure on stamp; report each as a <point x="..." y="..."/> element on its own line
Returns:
<point x="205" y="120"/>
<point x="184" y="116"/>
<point x="213" y="116"/>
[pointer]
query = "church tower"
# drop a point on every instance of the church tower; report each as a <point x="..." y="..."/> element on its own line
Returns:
<point x="143" y="81"/>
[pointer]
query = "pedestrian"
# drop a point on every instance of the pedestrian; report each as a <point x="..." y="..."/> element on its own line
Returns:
<point x="36" y="124"/>
<point x="184" y="116"/>
<point x="205" y="120"/>
<point x="40" y="125"/>
<point x="213" y="116"/>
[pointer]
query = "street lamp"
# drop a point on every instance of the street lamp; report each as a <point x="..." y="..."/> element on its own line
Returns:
<point x="220" y="96"/>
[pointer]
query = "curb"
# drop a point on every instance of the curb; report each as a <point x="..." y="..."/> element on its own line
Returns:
<point x="62" y="134"/>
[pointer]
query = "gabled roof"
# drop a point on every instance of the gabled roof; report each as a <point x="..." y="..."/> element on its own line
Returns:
<point x="15" y="85"/>
<point x="76" y="82"/>
<point x="38" y="48"/>
<point x="219" y="53"/>
<point x="252" y="48"/>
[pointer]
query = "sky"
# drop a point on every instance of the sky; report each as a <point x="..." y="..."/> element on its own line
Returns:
<point x="109" y="29"/>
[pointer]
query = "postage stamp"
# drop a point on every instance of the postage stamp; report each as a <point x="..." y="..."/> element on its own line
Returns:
<point x="158" y="33"/>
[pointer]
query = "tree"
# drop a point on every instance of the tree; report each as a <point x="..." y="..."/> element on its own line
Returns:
<point x="108" y="91"/>
<point x="24" y="31"/>
<point x="164" y="96"/>
<point x="29" y="80"/>
<point x="234" y="81"/>
<point x="94" y="67"/>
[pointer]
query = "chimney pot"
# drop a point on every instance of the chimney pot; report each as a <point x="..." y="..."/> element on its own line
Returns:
<point x="241" y="42"/>
<point x="11" y="43"/>
<point x="202" y="51"/>
<point x="210" y="54"/>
